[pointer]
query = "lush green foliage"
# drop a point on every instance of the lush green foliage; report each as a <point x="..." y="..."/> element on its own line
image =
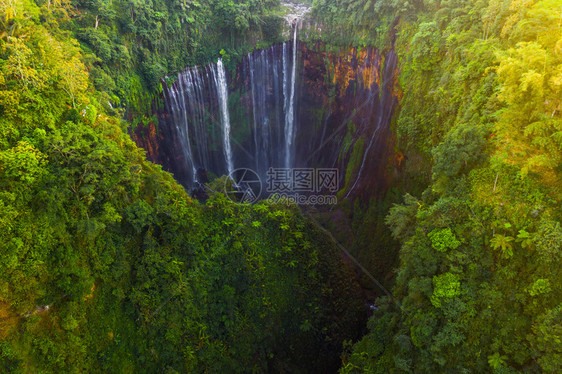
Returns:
<point x="479" y="283"/>
<point x="131" y="45"/>
<point x="108" y="266"/>
<point x="361" y="23"/>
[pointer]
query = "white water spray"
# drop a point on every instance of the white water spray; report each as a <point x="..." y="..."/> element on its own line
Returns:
<point x="222" y="90"/>
<point x="290" y="109"/>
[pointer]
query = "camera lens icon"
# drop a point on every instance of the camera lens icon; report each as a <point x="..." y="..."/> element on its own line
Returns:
<point x="243" y="186"/>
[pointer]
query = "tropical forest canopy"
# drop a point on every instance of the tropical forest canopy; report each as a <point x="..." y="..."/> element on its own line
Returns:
<point x="479" y="279"/>
<point x="107" y="265"/>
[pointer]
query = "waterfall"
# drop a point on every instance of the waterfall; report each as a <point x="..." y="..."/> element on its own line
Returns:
<point x="254" y="111"/>
<point x="290" y="107"/>
<point x="222" y="89"/>
<point x="194" y="94"/>
<point x="269" y="103"/>
<point x="272" y="88"/>
<point x="179" y="111"/>
<point x="198" y="105"/>
<point x="266" y="90"/>
<point x="285" y="81"/>
<point x="261" y="131"/>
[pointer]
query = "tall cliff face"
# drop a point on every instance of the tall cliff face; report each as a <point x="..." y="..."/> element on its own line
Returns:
<point x="347" y="102"/>
<point x="340" y="104"/>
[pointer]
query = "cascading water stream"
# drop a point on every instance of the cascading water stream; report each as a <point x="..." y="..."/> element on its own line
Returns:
<point x="255" y="117"/>
<point x="179" y="111"/>
<point x="268" y="91"/>
<point x="222" y="89"/>
<point x="285" y="81"/>
<point x="194" y="97"/>
<point x="290" y="107"/>
<point x="198" y="104"/>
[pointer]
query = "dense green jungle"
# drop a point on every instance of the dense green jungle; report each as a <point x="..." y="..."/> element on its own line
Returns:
<point x="443" y="253"/>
